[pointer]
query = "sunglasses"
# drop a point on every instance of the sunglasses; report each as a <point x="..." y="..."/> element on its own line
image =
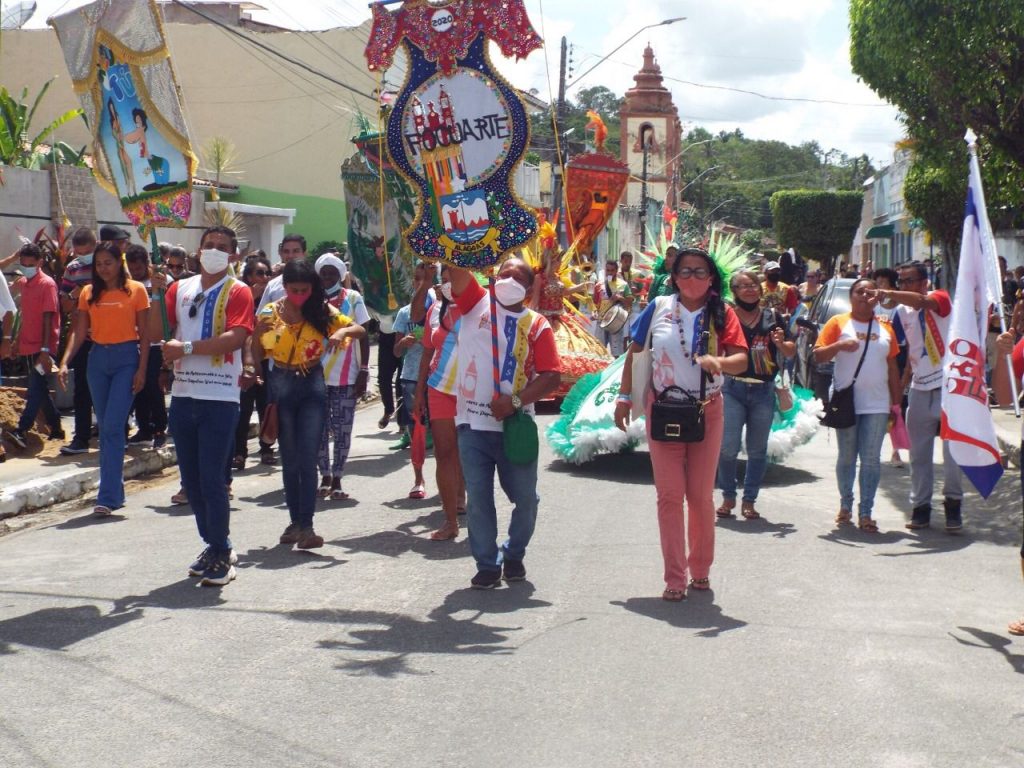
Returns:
<point x="700" y="273"/>
<point x="197" y="302"/>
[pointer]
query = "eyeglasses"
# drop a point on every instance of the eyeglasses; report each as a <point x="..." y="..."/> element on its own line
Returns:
<point x="197" y="302"/>
<point x="700" y="273"/>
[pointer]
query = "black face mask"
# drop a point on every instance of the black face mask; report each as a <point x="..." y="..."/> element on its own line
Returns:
<point x="750" y="306"/>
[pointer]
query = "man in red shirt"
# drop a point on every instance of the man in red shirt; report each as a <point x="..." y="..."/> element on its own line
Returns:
<point x="37" y="341"/>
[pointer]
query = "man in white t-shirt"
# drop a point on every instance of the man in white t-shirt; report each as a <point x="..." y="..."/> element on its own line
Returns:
<point x="528" y="370"/>
<point x="292" y="248"/>
<point x="923" y="316"/>
<point x="211" y="315"/>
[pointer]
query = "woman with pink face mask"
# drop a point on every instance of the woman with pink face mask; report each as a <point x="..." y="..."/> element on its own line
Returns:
<point x="692" y="334"/>
<point x="302" y="326"/>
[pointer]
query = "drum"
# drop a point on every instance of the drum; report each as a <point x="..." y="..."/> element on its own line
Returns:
<point x="613" y="318"/>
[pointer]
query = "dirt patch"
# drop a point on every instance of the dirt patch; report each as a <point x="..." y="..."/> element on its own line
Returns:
<point x="12" y="403"/>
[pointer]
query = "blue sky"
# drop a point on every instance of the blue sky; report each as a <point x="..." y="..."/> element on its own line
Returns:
<point x="796" y="50"/>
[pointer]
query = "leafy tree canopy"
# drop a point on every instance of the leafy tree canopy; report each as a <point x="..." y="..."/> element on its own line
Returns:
<point x="818" y="224"/>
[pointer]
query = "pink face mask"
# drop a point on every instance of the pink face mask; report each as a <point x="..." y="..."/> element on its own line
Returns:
<point x="298" y="299"/>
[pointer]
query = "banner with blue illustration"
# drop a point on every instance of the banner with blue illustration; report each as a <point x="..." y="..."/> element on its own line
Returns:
<point x="118" y="59"/>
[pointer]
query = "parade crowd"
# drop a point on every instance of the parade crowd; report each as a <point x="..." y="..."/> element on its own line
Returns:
<point x="461" y="367"/>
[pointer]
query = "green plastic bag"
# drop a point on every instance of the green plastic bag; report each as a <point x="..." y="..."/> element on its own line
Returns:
<point x="522" y="444"/>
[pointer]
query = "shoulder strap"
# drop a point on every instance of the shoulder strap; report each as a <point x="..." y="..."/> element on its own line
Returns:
<point x="867" y="340"/>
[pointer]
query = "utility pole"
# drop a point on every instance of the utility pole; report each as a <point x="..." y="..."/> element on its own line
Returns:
<point x="556" y="194"/>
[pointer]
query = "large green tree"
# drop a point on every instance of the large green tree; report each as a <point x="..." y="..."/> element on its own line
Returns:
<point x="820" y="225"/>
<point x="948" y="65"/>
<point x="17" y="144"/>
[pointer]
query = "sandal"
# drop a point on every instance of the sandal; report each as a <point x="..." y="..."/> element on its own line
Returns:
<point x="325" y="487"/>
<point x="418" y="492"/>
<point x="844" y="517"/>
<point x="268" y="458"/>
<point x="238" y="463"/>
<point x="179" y="498"/>
<point x="867" y="525"/>
<point x="446" y="532"/>
<point x="748" y="511"/>
<point x="1016" y="627"/>
<point x="674" y="595"/>
<point x="102" y="511"/>
<point x="701" y="584"/>
<point x="384" y="420"/>
<point x="336" y="493"/>
<point x="725" y="511"/>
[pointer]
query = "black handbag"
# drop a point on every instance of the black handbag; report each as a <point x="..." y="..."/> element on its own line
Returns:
<point x="678" y="417"/>
<point x="840" y="412"/>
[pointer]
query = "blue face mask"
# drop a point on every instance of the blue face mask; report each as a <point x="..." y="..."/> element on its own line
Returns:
<point x="334" y="290"/>
<point x="29" y="272"/>
<point x="86" y="259"/>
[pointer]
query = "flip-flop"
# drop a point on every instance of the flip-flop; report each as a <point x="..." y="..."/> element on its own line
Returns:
<point x="1016" y="627"/>
<point x="749" y="513"/>
<point x="418" y="492"/>
<point x="725" y="512"/>
<point x="444" y="533"/>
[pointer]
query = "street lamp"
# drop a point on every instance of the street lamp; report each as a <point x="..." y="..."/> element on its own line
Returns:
<point x="663" y="23"/>
<point x="712" y="211"/>
<point x="697" y="178"/>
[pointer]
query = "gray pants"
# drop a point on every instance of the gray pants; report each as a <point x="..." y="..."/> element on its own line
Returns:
<point x="615" y="342"/>
<point x="924" y="415"/>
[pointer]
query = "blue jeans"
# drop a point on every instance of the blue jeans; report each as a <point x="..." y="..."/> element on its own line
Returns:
<point x="301" y="412"/>
<point x="203" y="432"/>
<point x="482" y="452"/>
<point x="864" y="441"/>
<point x="38" y="396"/>
<point x="753" y="406"/>
<point x="111" y="369"/>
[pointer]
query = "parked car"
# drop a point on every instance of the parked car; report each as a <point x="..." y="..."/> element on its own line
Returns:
<point x="833" y="299"/>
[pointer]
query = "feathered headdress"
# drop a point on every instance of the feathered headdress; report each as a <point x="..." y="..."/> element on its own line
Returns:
<point x="597" y="125"/>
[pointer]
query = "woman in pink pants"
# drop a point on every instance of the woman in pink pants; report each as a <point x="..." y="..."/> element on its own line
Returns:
<point x="692" y="333"/>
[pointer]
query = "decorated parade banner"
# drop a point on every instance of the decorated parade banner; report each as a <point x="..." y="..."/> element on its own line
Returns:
<point x="117" y="56"/>
<point x="381" y="261"/>
<point x="457" y="129"/>
<point x="594" y="184"/>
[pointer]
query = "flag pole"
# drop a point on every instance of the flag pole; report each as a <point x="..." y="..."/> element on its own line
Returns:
<point x="988" y="247"/>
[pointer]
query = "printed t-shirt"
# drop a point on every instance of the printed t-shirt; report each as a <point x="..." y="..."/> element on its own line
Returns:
<point x="762" y="354"/>
<point x="223" y="306"/>
<point x="441" y="342"/>
<point x="675" y="333"/>
<point x="526" y="348"/>
<point x="112" y="319"/>
<point x="341" y="367"/>
<point x="299" y="344"/>
<point x="926" y="333"/>
<point x="411" y="359"/>
<point x="782" y="299"/>
<point x="871" y="392"/>
<point x="38" y="296"/>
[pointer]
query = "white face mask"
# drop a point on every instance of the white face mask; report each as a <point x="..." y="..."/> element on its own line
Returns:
<point x="509" y="291"/>
<point x="334" y="290"/>
<point x="446" y="291"/>
<point x="86" y="258"/>
<point x="213" y="261"/>
<point x="29" y="272"/>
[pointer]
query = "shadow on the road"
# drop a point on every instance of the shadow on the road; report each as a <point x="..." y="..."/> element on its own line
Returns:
<point x="281" y="556"/>
<point x="852" y="536"/>
<point x="376" y="465"/>
<point x="760" y="525"/>
<point x="88" y="520"/>
<point x="451" y="628"/>
<point x="930" y="541"/>
<point x="186" y="593"/>
<point x="58" y="628"/>
<point x="992" y="642"/>
<point x="629" y="467"/>
<point x="996" y="519"/>
<point x="783" y="475"/>
<point x="412" y="536"/>
<point x="171" y="510"/>
<point x="698" y="611"/>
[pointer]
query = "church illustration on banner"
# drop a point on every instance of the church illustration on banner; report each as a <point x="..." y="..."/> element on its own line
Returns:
<point x="462" y="214"/>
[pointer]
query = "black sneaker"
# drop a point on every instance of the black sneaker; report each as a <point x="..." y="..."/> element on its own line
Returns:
<point x="17" y="437"/>
<point x="921" y="517"/>
<point x="140" y="437"/>
<point x="159" y="439"/>
<point x="219" y="573"/>
<point x="514" y="570"/>
<point x="205" y="560"/>
<point x="954" y="520"/>
<point x="485" y="579"/>
<point x="74" y="447"/>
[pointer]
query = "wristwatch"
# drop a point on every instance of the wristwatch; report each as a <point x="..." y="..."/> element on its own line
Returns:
<point x="45" y="349"/>
<point x="187" y="347"/>
<point x="250" y="369"/>
<point x="516" y="402"/>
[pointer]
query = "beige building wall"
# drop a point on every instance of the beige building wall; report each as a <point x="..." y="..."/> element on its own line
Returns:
<point x="291" y="129"/>
<point x="657" y="184"/>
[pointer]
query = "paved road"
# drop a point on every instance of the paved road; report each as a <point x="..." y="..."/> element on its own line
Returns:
<point x="816" y="647"/>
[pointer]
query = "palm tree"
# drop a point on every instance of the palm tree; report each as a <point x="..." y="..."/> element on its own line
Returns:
<point x="16" y="148"/>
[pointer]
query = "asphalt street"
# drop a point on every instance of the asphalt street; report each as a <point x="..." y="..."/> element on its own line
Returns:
<point x="815" y="647"/>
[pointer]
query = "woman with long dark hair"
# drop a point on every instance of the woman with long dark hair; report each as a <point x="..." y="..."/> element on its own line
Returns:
<point x="302" y="327"/>
<point x="436" y="399"/>
<point x="693" y="334"/>
<point x="114" y="310"/>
